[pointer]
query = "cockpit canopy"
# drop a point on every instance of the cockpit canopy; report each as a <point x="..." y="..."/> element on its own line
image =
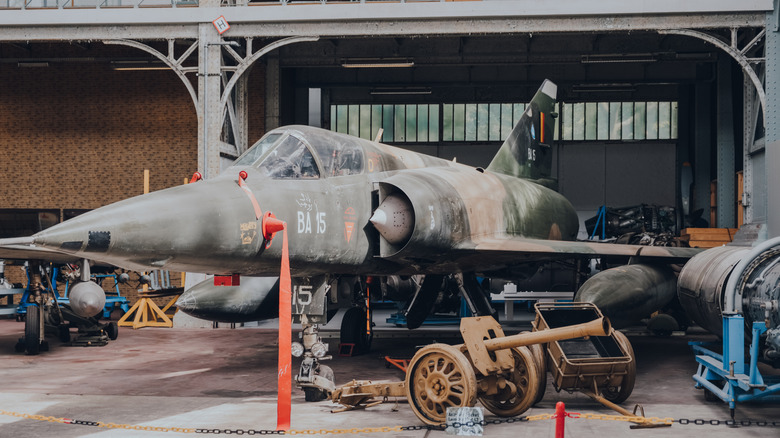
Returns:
<point x="304" y="153"/>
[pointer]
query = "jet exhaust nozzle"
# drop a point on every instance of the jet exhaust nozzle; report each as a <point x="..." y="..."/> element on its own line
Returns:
<point x="87" y="298"/>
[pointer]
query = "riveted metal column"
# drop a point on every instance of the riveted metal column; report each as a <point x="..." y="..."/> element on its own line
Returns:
<point x="241" y="120"/>
<point x="272" y="92"/>
<point x="702" y="149"/>
<point x="726" y="196"/>
<point x="773" y="121"/>
<point x="749" y="134"/>
<point x="209" y="88"/>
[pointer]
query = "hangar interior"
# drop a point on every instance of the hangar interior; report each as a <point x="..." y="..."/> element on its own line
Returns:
<point x="653" y="109"/>
<point x="670" y="105"/>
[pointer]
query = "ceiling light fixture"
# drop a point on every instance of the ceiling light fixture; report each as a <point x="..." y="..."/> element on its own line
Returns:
<point x="32" y="64"/>
<point x="618" y="58"/>
<point x="377" y="62"/>
<point x="395" y="91"/>
<point x="138" y="65"/>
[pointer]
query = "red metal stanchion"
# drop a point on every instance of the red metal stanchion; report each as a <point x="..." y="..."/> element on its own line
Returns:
<point x="560" y="419"/>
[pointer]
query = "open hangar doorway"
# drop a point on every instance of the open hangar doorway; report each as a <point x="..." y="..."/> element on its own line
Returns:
<point x="634" y="107"/>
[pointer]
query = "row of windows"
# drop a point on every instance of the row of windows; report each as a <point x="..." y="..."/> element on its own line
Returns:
<point x="489" y="122"/>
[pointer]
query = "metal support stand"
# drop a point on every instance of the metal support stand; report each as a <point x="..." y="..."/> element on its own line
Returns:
<point x="723" y="375"/>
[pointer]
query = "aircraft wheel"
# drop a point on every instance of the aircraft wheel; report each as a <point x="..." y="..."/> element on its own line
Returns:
<point x="621" y="393"/>
<point x="63" y="332"/>
<point x="354" y="330"/>
<point x="521" y="389"/>
<point x="32" y="330"/>
<point x="439" y="376"/>
<point x="112" y="330"/>
<point x="540" y="356"/>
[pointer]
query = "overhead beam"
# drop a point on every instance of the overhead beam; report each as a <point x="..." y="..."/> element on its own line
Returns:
<point x="363" y="19"/>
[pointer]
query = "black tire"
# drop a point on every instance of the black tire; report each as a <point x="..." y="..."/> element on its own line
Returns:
<point x="354" y="330"/>
<point x="63" y="332"/>
<point x="32" y="330"/>
<point x="19" y="347"/>
<point x="112" y="330"/>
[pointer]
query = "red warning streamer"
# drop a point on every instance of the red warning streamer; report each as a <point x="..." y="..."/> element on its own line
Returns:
<point x="285" y="340"/>
<point x="271" y="226"/>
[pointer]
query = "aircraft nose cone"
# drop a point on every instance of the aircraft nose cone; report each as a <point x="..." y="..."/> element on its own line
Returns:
<point x="189" y="228"/>
<point x="394" y="219"/>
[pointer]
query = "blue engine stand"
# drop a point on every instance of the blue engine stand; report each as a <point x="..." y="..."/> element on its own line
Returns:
<point x="724" y="375"/>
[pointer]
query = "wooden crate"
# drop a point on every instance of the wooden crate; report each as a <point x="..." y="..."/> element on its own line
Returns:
<point x="707" y="237"/>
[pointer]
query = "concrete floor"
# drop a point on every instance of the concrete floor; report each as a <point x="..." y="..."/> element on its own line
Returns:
<point x="226" y="379"/>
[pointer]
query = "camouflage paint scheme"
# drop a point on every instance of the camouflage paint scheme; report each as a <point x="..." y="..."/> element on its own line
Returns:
<point x="465" y="219"/>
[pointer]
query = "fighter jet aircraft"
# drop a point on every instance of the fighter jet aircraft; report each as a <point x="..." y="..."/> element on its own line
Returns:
<point x="356" y="210"/>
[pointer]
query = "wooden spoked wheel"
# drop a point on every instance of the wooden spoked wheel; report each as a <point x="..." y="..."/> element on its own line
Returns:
<point x="522" y="385"/>
<point x="539" y="352"/>
<point x="439" y="376"/>
<point x="619" y="394"/>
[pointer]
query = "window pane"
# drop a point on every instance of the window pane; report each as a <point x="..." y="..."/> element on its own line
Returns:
<point x="400" y="122"/>
<point x="342" y="121"/>
<point x="458" y="122"/>
<point x="517" y="111"/>
<point x="411" y="122"/>
<point x="578" y="121"/>
<point x="591" y="121"/>
<point x="447" y="122"/>
<point x="557" y="124"/>
<point x="614" y="121"/>
<point x="387" y="123"/>
<point x="640" y="120"/>
<point x="333" y="118"/>
<point x="652" y="120"/>
<point x="365" y="122"/>
<point x="376" y="120"/>
<point x="483" y="116"/>
<point x="506" y="120"/>
<point x="422" y="122"/>
<point x="673" y="120"/>
<point x="495" y="122"/>
<point x="354" y="120"/>
<point x="433" y="122"/>
<point x="627" y="121"/>
<point x="566" y="114"/>
<point x="471" y="122"/>
<point x="603" y="118"/>
<point x="664" y="120"/>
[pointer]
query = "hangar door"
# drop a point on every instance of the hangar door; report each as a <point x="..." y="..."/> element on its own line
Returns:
<point x="617" y="174"/>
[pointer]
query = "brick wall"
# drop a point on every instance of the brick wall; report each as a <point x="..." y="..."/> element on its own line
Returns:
<point x="78" y="135"/>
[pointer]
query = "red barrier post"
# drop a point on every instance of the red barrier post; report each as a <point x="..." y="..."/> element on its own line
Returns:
<point x="560" y="419"/>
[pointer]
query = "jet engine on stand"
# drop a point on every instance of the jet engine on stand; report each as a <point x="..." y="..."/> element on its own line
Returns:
<point x="734" y="292"/>
<point x="703" y="291"/>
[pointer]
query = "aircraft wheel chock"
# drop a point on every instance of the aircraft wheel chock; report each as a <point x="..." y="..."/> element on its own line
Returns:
<point x="620" y="393"/>
<point x="439" y="376"/>
<point x="521" y="389"/>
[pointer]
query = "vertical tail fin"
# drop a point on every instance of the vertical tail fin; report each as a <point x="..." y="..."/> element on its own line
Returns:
<point x="526" y="153"/>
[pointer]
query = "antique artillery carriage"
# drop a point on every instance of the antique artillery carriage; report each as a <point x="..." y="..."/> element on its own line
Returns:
<point x="507" y="374"/>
